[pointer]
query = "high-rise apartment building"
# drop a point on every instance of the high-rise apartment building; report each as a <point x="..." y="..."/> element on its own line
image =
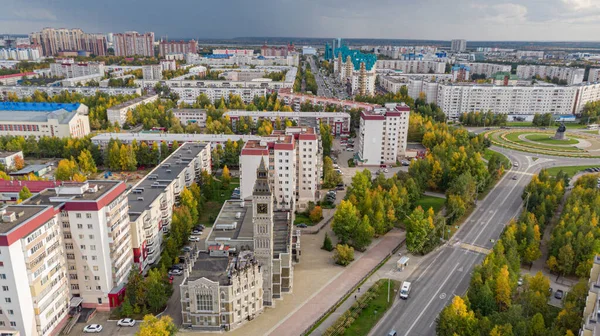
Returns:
<point x="413" y="66"/>
<point x="487" y="69"/>
<point x="133" y="43"/>
<point x="355" y="69"/>
<point x="293" y="163"/>
<point x="458" y="45"/>
<point x="152" y="72"/>
<point x="53" y="41"/>
<point x="594" y="75"/>
<point x="72" y="70"/>
<point x="177" y="47"/>
<point x="382" y="137"/>
<point x="67" y="245"/>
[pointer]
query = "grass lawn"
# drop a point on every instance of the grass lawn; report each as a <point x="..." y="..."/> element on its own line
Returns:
<point x="529" y="124"/>
<point x="569" y="170"/>
<point x="302" y="218"/>
<point x="547" y="139"/>
<point x="514" y="137"/>
<point x="427" y="202"/>
<point x="212" y="207"/>
<point x="374" y="310"/>
<point x="488" y="155"/>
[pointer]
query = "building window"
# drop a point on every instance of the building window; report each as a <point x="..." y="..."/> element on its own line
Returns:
<point x="99" y="288"/>
<point x="95" y="268"/>
<point x="78" y="215"/>
<point x="80" y="226"/>
<point x="13" y="323"/>
<point x="8" y="300"/>
<point x="5" y="288"/>
<point x="204" y="301"/>
<point x="97" y="278"/>
<point x="88" y="215"/>
<point x="92" y="237"/>
<point x="82" y="247"/>
<point x="99" y="300"/>
<point x="3" y="276"/>
<point x="90" y="226"/>
<point x="11" y="312"/>
<point x="93" y="247"/>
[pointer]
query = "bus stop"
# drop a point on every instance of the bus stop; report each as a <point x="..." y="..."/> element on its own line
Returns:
<point x="402" y="263"/>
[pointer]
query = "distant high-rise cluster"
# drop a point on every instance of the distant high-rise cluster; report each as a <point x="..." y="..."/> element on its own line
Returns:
<point x="177" y="47"/>
<point x="277" y="51"/>
<point x="458" y="45"/>
<point x="354" y="68"/>
<point x="54" y="41"/>
<point x="133" y="43"/>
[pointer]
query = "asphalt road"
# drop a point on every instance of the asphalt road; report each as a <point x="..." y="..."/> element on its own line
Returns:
<point x="325" y="84"/>
<point x="447" y="271"/>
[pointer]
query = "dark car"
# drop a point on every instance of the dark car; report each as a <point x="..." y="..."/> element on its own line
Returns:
<point x="340" y="187"/>
<point x="559" y="294"/>
<point x="302" y="226"/>
<point x="177" y="266"/>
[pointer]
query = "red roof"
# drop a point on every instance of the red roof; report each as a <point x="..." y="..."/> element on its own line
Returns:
<point x="18" y="75"/>
<point x="33" y="186"/>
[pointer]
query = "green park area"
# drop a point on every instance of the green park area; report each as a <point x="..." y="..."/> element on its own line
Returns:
<point x="427" y="202"/>
<point x="570" y="171"/>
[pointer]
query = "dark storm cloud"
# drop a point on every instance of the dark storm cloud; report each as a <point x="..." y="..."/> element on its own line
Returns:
<point x="425" y="19"/>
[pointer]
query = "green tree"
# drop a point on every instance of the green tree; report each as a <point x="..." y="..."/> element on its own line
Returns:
<point x="187" y="200"/>
<point x="503" y="291"/>
<point x="326" y="138"/>
<point x="343" y="254"/>
<point x="126" y="308"/>
<point x="316" y="214"/>
<point x="65" y="170"/>
<point x="331" y="178"/>
<point x="127" y="158"/>
<point x="226" y="177"/>
<point x="86" y="162"/>
<point x="345" y="221"/>
<point x="157" y="293"/>
<point x="327" y="244"/>
<point x="566" y="259"/>
<point x="114" y="156"/>
<point x="419" y="226"/>
<point x="363" y="234"/>
<point x="25" y="193"/>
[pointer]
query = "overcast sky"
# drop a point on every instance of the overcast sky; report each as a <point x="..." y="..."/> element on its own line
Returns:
<point x="547" y="20"/>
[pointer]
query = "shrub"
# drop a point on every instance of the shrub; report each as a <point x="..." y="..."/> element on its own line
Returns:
<point x="343" y="255"/>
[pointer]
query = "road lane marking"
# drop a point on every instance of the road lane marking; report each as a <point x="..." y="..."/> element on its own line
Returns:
<point x="430" y="301"/>
<point x="425" y="271"/>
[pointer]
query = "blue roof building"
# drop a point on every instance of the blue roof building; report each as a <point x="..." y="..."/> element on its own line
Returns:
<point x="38" y="107"/>
<point x="357" y="57"/>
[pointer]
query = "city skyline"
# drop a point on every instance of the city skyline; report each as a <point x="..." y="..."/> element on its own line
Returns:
<point x="556" y="20"/>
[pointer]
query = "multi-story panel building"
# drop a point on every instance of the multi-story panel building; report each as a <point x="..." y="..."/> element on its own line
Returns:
<point x="14" y="79"/>
<point x="586" y="94"/>
<point x="96" y="236"/>
<point x="188" y="91"/>
<point x="103" y="139"/>
<point x="152" y="199"/>
<point x="28" y="91"/>
<point x="20" y="54"/>
<point x="133" y="43"/>
<point x="190" y="116"/>
<point x="152" y="72"/>
<point x="222" y="292"/>
<point x="413" y="66"/>
<point x="487" y="69"/>
<point x="296" y="99"/>
<point x="33" y="275"/>
<point x="44" y="119"/>
<point x="293" y="164"/>
<point x="455" y="99"/>
<point x="383" y="135"/>
<point x="570" y="76"/>
<point x="177" y="47"/>
<point x="458" y="45"/>
<point x="531" y="54"/>
<point x="72" y="70"/>
<point x="118" y="113"/>
<point x="594" y="75"/>
<point x="339" y="122"/>
<point x="54" y="41"/>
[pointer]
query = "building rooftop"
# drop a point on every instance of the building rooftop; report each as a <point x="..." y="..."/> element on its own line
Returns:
<point x="29" y="169"/>
<point x="5" y="154"/>
<point x="158" y="137"/>
<point x="92" y="190"/>
<point x="153" y="185"/>
<point x="16" y="215"/>
<point x="241" y="113"/>
<point x="18" y="75"/>
<point x="38" y="107"/>
<point x="224" y="229"/>
<point x="211" y="268"/>
<point x="33" y="186"/>
<point x="133" y="101"/>
<point x="357" y="57"/>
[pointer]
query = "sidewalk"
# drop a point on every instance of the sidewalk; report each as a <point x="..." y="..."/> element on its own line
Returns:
<point x="296" y="322"/>
<point x="387" y="271"/>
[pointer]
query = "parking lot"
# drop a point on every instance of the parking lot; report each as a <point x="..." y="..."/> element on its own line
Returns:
<point x="108" y="327"/>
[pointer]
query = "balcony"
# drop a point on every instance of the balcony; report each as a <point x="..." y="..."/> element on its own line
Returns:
<point x="163" y="206"/>
<point x="188" y="178"/>
<point x="165" y="215"/>
<point x="149" y="234"/>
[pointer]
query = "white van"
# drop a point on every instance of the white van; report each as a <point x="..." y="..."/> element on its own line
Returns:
<point x="405" y="290"/>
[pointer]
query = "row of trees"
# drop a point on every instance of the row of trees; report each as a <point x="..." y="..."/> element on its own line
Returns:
<point x="590" y="112"/>
<point x="310" y="84"/>
<point x="50" y="147"/>
<point x="228" y="155"/>
<point x="496" y="305"/>
<point x="129" y="157"/>
<point x="575" y="239"/>
<point x="546" y="119"/>
<point x="483" y="119"/>
<point x="155" y="114"/>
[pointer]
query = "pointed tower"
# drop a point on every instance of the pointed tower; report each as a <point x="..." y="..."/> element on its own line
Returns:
<point x="262" y="218"/>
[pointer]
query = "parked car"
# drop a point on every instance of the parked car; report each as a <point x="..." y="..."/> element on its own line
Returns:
<point x="126" y="322"/>
<point x="186" y="249"/>
<point x="405" y="163"/>
<point x="302" y="226"/>
<point x="92" y="328"/>
<point x="385" y="170"/>
<point x="196" y="232"/>
<point x="175" y="272"/>
<point x="340" y="186"/>
<point x="520" y="282"/>
<point x="349" y="149"/>
<point x="559" y="294"/>
<point x="178" y="266"/>
<point x="392" y="333"/>
<point x="194" y="239"/>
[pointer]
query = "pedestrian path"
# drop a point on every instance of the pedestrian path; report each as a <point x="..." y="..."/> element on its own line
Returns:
<point x="388" y="271"/>
<point x="297" y="322"/>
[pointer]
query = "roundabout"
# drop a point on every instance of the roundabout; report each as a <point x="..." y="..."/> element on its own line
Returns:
<point x="574" y="144"/>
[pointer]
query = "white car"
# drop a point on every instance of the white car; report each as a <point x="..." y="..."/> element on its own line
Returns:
<point x="126" y="322"/>
<point x="174" y="272"/>
<point x="194" y="239"/>
<point x="92" y="328"/>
